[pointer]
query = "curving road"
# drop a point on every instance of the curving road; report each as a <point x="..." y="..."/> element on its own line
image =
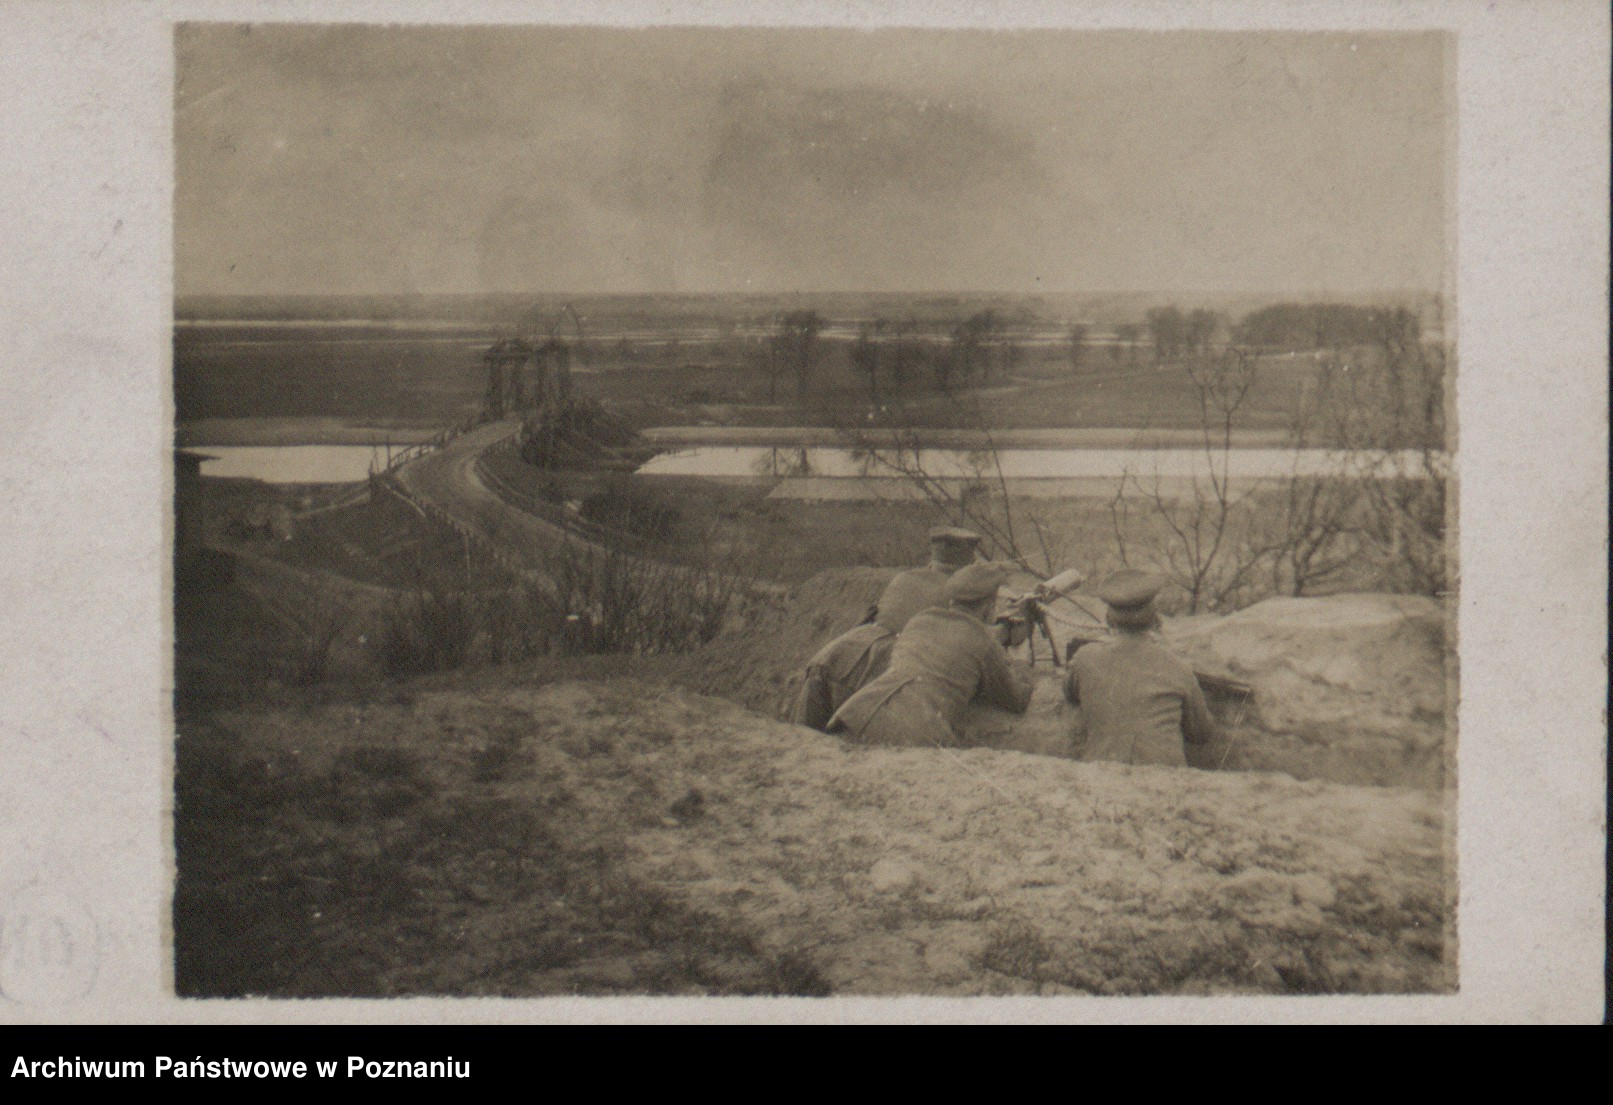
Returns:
<point x="446" y="479"/>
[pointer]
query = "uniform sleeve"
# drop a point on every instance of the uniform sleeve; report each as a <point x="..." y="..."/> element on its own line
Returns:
<point x="1003" y="683"/>
<point x="1072" y="684"/>
<point x="814" y="705"/>
<point x="1198" y="726"/>
<point x="879" y="658"/>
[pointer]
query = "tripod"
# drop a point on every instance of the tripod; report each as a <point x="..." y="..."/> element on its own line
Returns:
<point x="1032" y="614"/>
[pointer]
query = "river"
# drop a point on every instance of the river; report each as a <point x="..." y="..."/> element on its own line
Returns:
<point x="291" y="464"/>
<point x="1023" y="463"/>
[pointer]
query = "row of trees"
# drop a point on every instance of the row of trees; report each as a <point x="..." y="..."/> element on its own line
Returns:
<point x="1295" y="326"/>
<point x="1364" y="505"/>
<point x="1176" y="333"/>
<point x="892" y="358"/>
<point x="1374" y="515"/>
<point x="1170" y="331"/>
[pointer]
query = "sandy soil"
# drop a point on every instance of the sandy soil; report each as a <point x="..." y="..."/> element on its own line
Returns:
<point x="628" y="837"/>
<point x="981" y="871"/>
<point x="1349" y="687"/>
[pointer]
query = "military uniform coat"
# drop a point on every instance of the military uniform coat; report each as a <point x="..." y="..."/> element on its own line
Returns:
<point x="1138" y="701"/>
<point x="910" y="592"/>
<point x="941" y="662"/>
<point x="839" y="670"/>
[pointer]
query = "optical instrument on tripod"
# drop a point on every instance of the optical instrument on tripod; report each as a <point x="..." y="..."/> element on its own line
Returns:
<point x="1026" y="612"/>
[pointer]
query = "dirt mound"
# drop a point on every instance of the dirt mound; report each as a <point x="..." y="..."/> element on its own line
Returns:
<point x="1347" y="687"/>
<point x="823" y="867"/>
<point x="759" y="662"/>
<point x="983" y="871"/>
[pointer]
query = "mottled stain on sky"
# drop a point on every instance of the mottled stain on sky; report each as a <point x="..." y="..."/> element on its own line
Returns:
<point x="440" y="159"/>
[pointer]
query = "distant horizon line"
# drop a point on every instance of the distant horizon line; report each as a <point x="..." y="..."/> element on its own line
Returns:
<point x="751" y="293"/>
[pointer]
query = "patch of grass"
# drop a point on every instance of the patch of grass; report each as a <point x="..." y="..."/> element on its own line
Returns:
<point x="500" y="759"/>
<point x="636" y="507"/>
<point x="384" y="541"/>
<point x="1018" y="949"/>
<point x="379" y="873"/>
<point x="313" y="647"/>
<point x="794" y="973"/>
<point x="430" y="629"/>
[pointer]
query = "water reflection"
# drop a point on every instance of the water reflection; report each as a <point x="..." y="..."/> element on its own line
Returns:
<point x="293" y="463"/>
<point x="789" y="462"/>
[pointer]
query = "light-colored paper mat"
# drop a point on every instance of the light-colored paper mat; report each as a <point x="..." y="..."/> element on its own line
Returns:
<point x="86" y="115"/>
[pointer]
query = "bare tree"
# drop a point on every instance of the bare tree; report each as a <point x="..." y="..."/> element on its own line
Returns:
<point x="1388" y="416"/>
<point x="1078" y="341"/>
<point x="772" y="363"/>
<point x="1315" y="538"/>
<point x="1204" y="552"/>
<point x="797" y="340"/>
<point x="967" y="488"/>
<point x="1167" y="326"/>
<point x="972" y="343"/>
<point x="1198" y="328"/>
<point x="1308" y="527"/>
<point x="866" y="355"/>
<point x="1367" y="511"/>
<point x="1126" y="337"/>
<point x="905" y="356"/>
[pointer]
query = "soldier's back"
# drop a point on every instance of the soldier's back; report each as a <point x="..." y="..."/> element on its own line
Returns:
<point x="840" y="669"/>
<point x="909" y="593"/>
<point x="1132" y="694"/>
<point x="943" y="660"/>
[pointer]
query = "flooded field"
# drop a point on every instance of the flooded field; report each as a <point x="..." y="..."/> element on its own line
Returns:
<point x="288" y="464"/>
<point x="1020" y="464"/>
<point x="294" y="463"/>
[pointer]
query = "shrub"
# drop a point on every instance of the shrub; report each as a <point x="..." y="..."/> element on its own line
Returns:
<point x="794" y="973"/>
<point x="616" y="602"/>
<point x="1018" y="949"/>
<point x="551" y="489"/>
<point x="633" y="507"/>
<point x="428" y="629"/>
<point x="313" y="645"/>
<point x="520" y="623"/>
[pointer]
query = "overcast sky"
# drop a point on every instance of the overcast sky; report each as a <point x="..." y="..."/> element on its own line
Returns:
<point x="318" y="159"/>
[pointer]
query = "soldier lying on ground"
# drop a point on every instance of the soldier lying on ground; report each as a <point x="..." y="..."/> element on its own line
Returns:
<point x="839" y="670"/>
<point x="846" y="664"/>
<point x="1138" y="702"/>
<point x="918" y="589"/>
<point x="944" y="659"/>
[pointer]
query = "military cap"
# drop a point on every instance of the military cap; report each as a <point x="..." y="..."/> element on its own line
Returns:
<point x="953" y="547"/>
<point x="976" y="582"/>
<point x="1129" y="588"/>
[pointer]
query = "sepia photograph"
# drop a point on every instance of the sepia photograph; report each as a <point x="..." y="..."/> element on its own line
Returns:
<point x="817" y="517"/>
<point x="808" y="512"/>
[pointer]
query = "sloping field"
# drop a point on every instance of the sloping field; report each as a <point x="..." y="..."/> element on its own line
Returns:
<point x="625" y="837"/>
